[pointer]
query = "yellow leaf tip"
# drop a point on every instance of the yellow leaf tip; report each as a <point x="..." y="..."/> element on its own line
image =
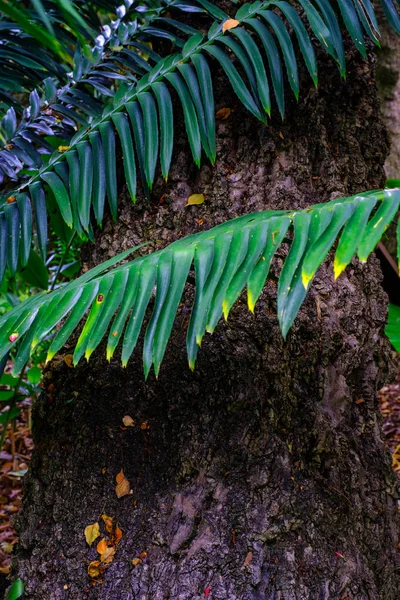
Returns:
<point x="338" y="268"/>
<point x="250" y="303"/>
<point x="305" y="278"/>
<point x="225" y="310"/>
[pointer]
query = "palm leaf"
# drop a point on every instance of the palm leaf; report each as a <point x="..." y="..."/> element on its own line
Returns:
<point x="225" y="260"/>
<point x="112" y="63"/>
<point x="136" y="108"/>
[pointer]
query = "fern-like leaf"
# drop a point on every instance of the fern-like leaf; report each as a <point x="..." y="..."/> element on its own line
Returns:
<point x="137" y="109"/>
<point x="225" y="260"/>
<point x="114" y="60"/>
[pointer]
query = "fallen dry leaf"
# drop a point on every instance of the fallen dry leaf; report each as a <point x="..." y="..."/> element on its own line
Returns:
<point x="108" y="522"/>
<point x="223" y="113"/>
<point x="68" y="359"/>
<point x="101" y="546"/>
<point x="92" y="532"/>
<point x="94" y="568"/>
<point x="123" y="487"/>
<point x="117" y="535"/>
<point x="108" y="555"/>
<point x="136" y="562"/>
<point x="120" y="477"/>
<point x="230" y="24"/>
<point x="195" y="199"/>
<point x="128" y="421"/>
<point x="247" y="560"/>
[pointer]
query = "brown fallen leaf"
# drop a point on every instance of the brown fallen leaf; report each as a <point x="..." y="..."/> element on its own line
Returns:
<point x="68" y="359"/>
<point x="108" y="522"/>
<point x="223" y="114"/>
<point x="128" y="421"/>
<point x="120" y="477"/>
<point x="92" y="532"/>
<point x="195" y="199"/>
<point x="247" y="560"/>
<point x="229" y="24"/>
<point x="117" y="535"/>
<point x="94" y="569"/>
<point x="123" y="487"/>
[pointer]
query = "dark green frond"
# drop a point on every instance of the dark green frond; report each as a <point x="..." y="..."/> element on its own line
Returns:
<point x="113" y="63"/>
<point x="257" y="55"/>
<point x="225" y="260"/>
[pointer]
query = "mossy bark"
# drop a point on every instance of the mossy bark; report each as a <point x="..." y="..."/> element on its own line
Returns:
<point x="263" y="474"/>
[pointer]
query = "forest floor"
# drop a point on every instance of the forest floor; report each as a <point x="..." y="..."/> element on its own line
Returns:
<point x="16" y="453"/>
<point x="389" y="397"/>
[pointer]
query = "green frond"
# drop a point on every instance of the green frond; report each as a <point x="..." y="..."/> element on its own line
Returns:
<point x="393" y="327"/>
<point x="114" y="61"/>
<point x="255" y="56"/>
<point x="225" y="260"/>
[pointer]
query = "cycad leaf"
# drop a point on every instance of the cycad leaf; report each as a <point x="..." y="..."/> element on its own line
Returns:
<point x="225" y="260"/>
<point x="25" y="213"/>
<point x="192" y="125"/>
<point x="13" y="222"/>
<point x="166" y="125"/>
<point x="88" y="163"/>
<point x="150" y="119"/>
<point x="61" y="195"/>
<point x="287" y="48"/>
<point x="122" y="125"/>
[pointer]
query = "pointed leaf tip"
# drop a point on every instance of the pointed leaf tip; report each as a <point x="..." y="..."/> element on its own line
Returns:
<point x="306" y="278"/>
<point x="338" y="268"/>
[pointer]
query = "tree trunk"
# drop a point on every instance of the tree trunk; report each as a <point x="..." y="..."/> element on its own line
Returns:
<point x="263" y="474"/>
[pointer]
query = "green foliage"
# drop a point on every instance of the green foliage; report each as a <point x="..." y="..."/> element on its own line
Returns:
<point x="16" y="590"/>
<point x="82" y="174"/>
<point x="60" y="160"/>
<point x="393" y="326"/>
<point x="225" y="259"/>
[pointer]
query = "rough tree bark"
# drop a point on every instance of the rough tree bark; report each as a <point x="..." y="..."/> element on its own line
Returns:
<point x="263" y="474"/>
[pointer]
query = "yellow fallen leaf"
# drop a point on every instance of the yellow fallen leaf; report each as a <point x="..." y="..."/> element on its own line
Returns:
<point x="223" y="114"/>
<point x="101" y="546"/>
<point x="94" y="568"/>
<point x="136" y="562"/>
<point x="92" y="532"/>
<point x="229" y="24"/>
<point x="68" y="359"/>
<point x="108" y="522"/>
<point x="108" y="555"/>
<point x="123" y="487"/>
<point x="128" y="421"/>
<point x="195" y="199"/>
